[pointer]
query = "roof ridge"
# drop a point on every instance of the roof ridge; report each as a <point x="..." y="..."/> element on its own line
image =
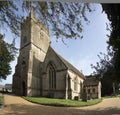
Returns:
<point x="58" y="56"/>
<point x="68" y="64"/>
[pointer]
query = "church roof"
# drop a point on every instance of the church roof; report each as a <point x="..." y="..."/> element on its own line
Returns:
<point x="68" y="65"/>
<point x="92" y="81"/>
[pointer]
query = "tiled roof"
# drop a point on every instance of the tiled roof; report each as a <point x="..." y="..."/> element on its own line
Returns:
<point x="91" y="81"/>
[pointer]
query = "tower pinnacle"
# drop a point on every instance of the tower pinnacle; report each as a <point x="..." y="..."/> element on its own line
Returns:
<point x="30" y="6"/>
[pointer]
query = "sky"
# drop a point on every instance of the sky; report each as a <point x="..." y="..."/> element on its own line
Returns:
<point x="81" y="53"/>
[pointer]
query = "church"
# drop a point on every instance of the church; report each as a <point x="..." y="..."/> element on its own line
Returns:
<point x="40" y="70"/>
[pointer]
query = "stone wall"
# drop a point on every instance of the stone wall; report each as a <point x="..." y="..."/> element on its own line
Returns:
<point x="93" y="91"/>
<point x="59" y="91"/>
<point x="31" y="76"/>
<point x="75" y="92"/>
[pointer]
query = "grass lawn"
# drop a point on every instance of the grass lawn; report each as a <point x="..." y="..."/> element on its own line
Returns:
<point x="1" y="99"/>
<point x="113" y="96"/>
<point x="118" y="95"/>
<point x="61" y="102"/>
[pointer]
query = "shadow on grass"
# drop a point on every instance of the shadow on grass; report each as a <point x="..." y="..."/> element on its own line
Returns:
<point x="19" y="109"/>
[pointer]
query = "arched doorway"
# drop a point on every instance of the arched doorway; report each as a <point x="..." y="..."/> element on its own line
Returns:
<point x="23" y="89"/>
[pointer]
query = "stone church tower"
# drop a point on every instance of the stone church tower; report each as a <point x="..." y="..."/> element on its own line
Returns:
<point x="40" y="71"/>
<point x="33" y="48"/>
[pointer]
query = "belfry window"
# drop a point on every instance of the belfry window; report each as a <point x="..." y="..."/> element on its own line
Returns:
<point x="52" y="77"/>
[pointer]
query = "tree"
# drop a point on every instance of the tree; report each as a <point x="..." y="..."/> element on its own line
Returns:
<point x="103" y="71"/>
<point x="63" y="18"/>
<point x="113" y="13"/>
<point x="6" y="56"/>
<point x="109" y="68"/>
<point x="9" y="17"/>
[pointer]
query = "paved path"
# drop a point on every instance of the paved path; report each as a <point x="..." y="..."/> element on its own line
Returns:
<point x="17" y="106"/>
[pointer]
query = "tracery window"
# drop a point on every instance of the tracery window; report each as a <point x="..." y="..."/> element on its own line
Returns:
<point x="52" y="77"/>
<point x="75" y="84"/>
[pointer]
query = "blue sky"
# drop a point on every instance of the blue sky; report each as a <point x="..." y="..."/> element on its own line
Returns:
<point x="81" y="52"/>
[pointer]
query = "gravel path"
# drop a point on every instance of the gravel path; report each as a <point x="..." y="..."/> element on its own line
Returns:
<point x="15" y="105"/>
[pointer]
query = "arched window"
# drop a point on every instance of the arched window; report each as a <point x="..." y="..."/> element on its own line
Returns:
<point x="75" y="84"/>
<point x="52" y="77"/>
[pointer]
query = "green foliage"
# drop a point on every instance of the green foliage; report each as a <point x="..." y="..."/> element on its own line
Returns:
<point x="104" y="65"/>
<point x="113" y="13"/>
<point x="9" y="17"/>
<point x="108" y="68"/>
<point x="6" y="56"/>
<point x="104" y="72"/>
<point x="118" y="95"/>
<point x="61" y="102"/>
<point x="63" y="18"/>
